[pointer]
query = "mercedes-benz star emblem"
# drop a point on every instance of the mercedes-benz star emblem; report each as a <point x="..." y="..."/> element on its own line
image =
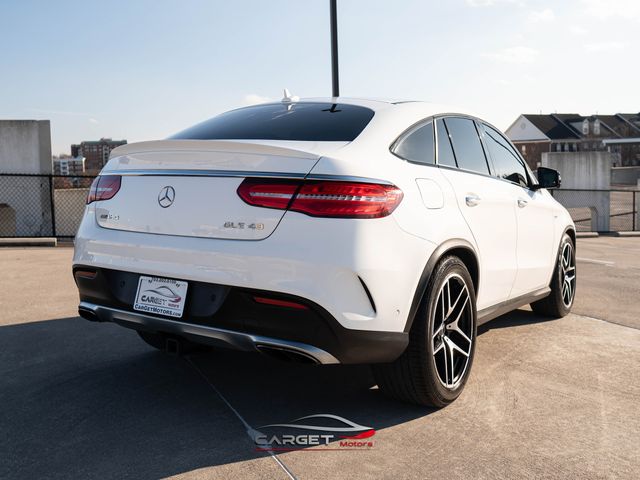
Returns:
<point x="166" y="196"/>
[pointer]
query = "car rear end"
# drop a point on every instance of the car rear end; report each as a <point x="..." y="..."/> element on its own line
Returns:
<point x="237" y="243"/>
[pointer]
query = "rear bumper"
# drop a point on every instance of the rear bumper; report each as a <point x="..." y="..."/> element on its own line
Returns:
<point x="229" y="316"/>
<point x="363" y="272"/>
<point x="202" y="333"/>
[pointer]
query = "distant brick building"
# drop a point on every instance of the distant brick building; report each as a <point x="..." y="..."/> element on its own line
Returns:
<point x="96" y="153"/>
<point x="566" y="132"/>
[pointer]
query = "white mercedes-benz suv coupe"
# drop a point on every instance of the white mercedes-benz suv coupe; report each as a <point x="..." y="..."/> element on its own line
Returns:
<point x="327" y="231"/>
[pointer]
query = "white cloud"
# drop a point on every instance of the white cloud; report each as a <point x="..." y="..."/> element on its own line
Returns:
<point x="578" y="30"/>
<point x="490" y="3"/>
<point x="480" y="3"/>
<point x="604" y="9"/>
<point x="514" y="55"/>
<point x="542" y="16"/>
<point x="604" y="46"/>
<point x="254" y="99"/>
<point x="93" y="120"/>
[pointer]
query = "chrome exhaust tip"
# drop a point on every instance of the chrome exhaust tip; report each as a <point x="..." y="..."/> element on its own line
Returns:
<point x="88" y="314"/>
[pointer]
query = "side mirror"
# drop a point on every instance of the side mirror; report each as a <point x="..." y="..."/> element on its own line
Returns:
<point x="547" y="178"/>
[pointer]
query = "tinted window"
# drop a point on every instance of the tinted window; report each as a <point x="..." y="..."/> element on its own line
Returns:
<point x="506" y="162"/>
<point x="445" y="153"/>
<point x="466" y="144"/>
<point x="418" y="145"/>
<point x="299" y="121"/>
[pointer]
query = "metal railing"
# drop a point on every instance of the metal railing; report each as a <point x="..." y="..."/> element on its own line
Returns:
<point x="612" y="210"/>
<point x="34" y="205"/>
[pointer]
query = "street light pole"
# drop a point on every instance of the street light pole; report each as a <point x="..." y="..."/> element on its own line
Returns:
<point x="335" y="83"/>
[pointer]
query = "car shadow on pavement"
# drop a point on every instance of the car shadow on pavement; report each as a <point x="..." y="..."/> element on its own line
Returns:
<point x="82" y="400"/>
<point x="515" y="318"/>
<point x="266" y="391"/>
<point x="93" y="401"/>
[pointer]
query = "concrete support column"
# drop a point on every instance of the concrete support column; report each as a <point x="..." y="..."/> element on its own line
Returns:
<point x="586" y="180"/>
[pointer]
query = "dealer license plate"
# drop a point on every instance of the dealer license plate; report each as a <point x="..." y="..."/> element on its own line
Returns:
<point x="161" y="296"/>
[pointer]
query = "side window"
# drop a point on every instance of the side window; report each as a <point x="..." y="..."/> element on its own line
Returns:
<point x="466" y="144"/>
<point x="417" y="146"/>
<point x="445" y="152"/>
<point x="507" y="163"/>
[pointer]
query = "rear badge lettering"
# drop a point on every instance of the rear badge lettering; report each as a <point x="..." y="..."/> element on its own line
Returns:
<point x="244" y="225"/>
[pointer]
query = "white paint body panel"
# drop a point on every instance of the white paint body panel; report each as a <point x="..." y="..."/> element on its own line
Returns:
<point x="431" y="193"/>
<point x="320" y="262"/>
<point x="324" y="259"/>
<point x="203" y="204"/>
<point x="537" y="247"/>
<point x="206" y="207"/>
<point x="492" y="223"/>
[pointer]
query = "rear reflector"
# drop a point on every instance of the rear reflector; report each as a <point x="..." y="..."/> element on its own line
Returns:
<point x="86" y="274"/>
<point x="103" y="187"/>
<point x="280" y="303"/>
<point x="323" y="198"/>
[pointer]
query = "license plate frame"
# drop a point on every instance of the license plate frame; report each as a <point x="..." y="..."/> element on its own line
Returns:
<point x="161" y="296"/>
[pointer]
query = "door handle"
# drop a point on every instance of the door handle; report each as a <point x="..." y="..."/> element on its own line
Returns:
<point x="472" y="200"/>
<point x="522" y="202"/>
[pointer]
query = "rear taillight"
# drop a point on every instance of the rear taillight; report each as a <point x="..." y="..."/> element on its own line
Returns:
<point x="268" y="193"/>
<point x="346" y="199"/>
<point x="323" y="198"/>
<point x="103" y="187"/>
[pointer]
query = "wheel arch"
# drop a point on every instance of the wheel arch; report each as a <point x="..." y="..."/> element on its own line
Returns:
<point x="572" y="233"/>
<point x="569" y="230"/>
<point x="458" y="247"/>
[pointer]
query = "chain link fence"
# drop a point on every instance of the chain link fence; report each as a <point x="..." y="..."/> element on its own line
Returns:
<point x="42" y="205"/>
<point x="615" y="210"/>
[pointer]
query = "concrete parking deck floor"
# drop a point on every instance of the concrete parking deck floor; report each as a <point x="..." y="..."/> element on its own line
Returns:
<point x="546" y="398"/>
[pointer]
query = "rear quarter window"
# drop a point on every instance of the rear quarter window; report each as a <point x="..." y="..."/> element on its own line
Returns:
<point x="418" y="145"/>
<point x="304" y="121"/>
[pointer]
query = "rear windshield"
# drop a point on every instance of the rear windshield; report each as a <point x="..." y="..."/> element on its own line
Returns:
<point x="318" y="122"/>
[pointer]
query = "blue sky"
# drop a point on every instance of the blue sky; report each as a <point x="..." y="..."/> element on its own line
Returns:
<point x="143" y="69"/>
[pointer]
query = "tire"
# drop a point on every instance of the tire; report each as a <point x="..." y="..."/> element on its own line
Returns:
<point x="417" y="375"/>
<point x="159" y="341"/>
<point x="563" y="283"/>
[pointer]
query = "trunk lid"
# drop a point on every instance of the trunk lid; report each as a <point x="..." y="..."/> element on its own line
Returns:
<point x="188" y="187"/>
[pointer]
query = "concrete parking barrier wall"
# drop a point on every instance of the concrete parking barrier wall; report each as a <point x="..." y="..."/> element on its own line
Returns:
<point x="42" y="205"/>
<point x="26" y="206"/>
<point x="625" y="175"/>
<point x="69" y="208"/>
<point x="25" y="202"/>
<point x="585" y="171"/>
